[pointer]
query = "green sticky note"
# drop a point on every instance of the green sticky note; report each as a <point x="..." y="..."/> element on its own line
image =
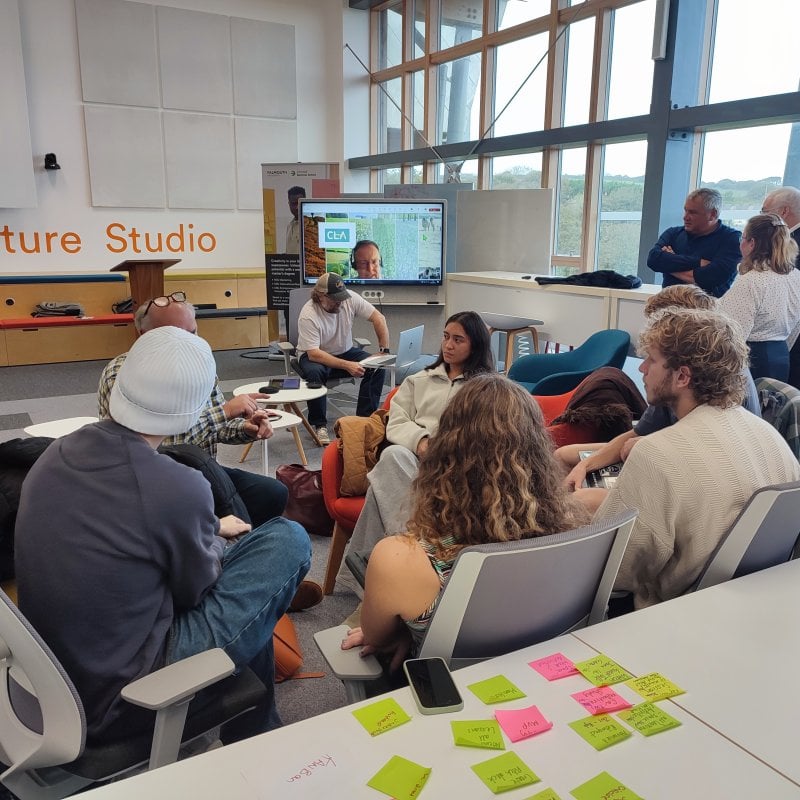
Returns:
<point x="505" y="772"/>
<point x="546" y="794"/>
<point x="654" y="687"/>
<point x="648" y="719"/>
<point x="496" y="690"/>
<point x="602" y="671"/>
<point x="478" y="733"/>
<point x="600" y="731"/>
<point x="381" y="716"/>
<point x="400" y="778"/>
<point x="603" y="786"/>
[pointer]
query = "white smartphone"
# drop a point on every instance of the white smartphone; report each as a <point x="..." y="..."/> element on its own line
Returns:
<point x="432" y="685"/>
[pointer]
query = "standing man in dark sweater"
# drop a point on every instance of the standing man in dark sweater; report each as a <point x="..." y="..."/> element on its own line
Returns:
<point x="702" y="250"/>
<point x="785" y="202"/>
<point x="121" y="563"/>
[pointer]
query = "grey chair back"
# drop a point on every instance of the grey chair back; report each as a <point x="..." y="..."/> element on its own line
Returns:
<point x="505" y="596"/>
<point x="764" y="534"/>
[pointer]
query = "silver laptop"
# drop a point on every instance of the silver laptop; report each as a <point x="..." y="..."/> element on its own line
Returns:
<point x="409" y="349"/>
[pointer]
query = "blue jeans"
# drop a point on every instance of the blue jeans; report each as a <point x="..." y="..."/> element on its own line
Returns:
<point x="260" y="574"/>
<point x="369" y="393"/>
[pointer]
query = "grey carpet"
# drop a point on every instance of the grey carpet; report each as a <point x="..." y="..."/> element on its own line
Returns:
<point x="9" y="422"/>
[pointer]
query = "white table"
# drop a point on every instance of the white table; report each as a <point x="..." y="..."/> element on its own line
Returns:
<point x="58" y="427"/>
<point x="289" y="398"/>
<point x="735" y="648"/>
<point x="692" y="761"/>
<point x="285" y="420"/>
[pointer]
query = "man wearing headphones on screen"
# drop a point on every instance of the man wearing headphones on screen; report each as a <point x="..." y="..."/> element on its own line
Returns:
<point x="326" y="350"/>
<point x="365" y="259"/>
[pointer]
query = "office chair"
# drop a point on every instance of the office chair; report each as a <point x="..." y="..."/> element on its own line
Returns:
<point x="503" y="596"/>
<point x="764" y="534"/>
<point x="44" y="752"/>
<point x="557" y="373"/>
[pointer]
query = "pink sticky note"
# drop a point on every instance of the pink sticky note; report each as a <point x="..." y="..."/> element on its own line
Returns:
<point x="522" y="723"/>
<point x="554" y="667"/>
<point x="601" y="700"/>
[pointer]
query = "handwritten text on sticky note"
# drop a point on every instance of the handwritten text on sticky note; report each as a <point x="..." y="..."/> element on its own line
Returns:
<point x="381" y="716"/>
<point x="554" y="667"/>
<point x="498" y="689"/>
<point x="601" y="732"/>
<point x="654" y="686"/>
<point x="604" y="786"/>
<point x="522" y="723"/>
<point x="478" y="733"/>
<point x="601" y="700"/>
<point x="602" y="671"/>
<point x="506" y="772"/>
<point x="649" y="719"/>
<point x="400" y="778"/>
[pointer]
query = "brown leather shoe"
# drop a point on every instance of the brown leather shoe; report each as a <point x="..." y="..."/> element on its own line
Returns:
<point x="308" y="595"/>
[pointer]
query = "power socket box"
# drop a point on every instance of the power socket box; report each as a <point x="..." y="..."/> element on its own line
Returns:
<point x="372" y="294"/>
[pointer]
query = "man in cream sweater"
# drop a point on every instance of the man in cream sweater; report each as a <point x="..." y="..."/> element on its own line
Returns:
<point x="689" y="481"/>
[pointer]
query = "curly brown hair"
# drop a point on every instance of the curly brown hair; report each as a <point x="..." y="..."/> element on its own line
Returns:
<point x="773" y="247"/>
<point x="683" y="295"/>
<point x="489" y="474"/>
<point x="709" y="344"/>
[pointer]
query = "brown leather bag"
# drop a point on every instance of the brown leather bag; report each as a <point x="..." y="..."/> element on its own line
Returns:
<point x="306" y="504"/>
<point x="288" y="655"/>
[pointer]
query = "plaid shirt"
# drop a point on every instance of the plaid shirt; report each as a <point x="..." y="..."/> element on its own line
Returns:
<point x="780" y="406"/>
<point x="211" y="429"/>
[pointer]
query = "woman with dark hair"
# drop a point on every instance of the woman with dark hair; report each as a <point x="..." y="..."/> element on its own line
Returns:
<point x="415" y="409"/>
<point x="413" y="418"/>
<point x="489" y="475"/>
<point x="765" y="297"/>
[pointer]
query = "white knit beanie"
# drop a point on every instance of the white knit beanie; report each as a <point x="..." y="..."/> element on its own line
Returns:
<point x="164" y="383"/>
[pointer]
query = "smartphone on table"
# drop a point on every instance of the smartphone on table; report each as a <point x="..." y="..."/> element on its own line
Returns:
<point x="432" y="685"/>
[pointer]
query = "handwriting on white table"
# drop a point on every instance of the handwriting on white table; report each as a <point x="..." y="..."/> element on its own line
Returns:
<point x="309" y="769"/>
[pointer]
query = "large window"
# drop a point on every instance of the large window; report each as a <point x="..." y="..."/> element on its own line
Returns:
<point x="575" y="96"/>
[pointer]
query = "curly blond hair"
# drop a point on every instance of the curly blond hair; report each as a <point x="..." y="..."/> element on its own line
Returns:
<point x="709" y="344"/>
<point x="489" y="474"/>
<point x="683" y="295"/>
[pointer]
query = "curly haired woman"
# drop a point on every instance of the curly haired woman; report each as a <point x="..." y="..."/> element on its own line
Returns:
<point x="488" y="476"/>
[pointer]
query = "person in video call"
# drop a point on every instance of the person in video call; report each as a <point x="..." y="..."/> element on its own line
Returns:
<point x="702" y="250"/>
<point x="294" y="195"/>
<point x="365" y="259"/>
<point x="326" y="350"/>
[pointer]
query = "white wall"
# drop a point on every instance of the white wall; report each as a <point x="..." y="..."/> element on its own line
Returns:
<point x="52" y="75"/>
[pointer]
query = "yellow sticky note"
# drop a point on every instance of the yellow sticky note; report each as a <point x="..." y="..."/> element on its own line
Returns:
<point x="654" y="686"/>
<point x="545" y="794"/>
<point x="496" y="690"/>
<point x="601" y="731"/>
<point x="400" y="778"/>
<point x="648" y="719"/>
<point x="602" y="671"/>
<point x="603" y="786"/>
<point x="478" y="733"/>
<point x="506" y="772"/>
<point x="382" y="716"/>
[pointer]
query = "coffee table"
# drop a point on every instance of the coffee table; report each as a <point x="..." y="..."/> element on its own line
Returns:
<point x="288" y="398"/>
<point x="58" y="427"/>
<point x="286" y="420"/>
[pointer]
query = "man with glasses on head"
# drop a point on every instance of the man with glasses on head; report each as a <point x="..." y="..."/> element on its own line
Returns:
<point x="325" y="346"/>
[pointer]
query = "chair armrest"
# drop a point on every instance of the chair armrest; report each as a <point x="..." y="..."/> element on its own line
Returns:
<point x="362" y="342"/>
<point x="287" y="348"/>
<point x="347" y="665"/>
<point x="179" y="681"/>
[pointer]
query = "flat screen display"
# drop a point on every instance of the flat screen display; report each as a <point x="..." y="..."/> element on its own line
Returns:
<point x="376" y="241"/>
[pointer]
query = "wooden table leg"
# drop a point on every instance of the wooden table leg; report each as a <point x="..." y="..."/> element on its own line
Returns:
<point x="299" y="443"/>
<point x="246" y="452"/>
<point x="292" y="407"/>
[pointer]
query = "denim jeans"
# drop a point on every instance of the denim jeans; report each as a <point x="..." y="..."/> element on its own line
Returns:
<point x="369" y="393"/>
<point x="260" y="574"/>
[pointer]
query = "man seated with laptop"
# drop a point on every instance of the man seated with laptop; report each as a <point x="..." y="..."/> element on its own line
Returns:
<point x="325" y="347"/>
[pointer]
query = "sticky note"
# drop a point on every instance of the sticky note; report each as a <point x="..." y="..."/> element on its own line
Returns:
<point x="603" y="786"/>
<point x="505" y="772"/>
<point x="496" y="690"/>
<point x="649" y="719"/>
<point x="478" y="733"/>
<point x="654" y="687"/>
<point x="522" y="723"/>
<point x="545" y="794"/>
<point x="554" y="667"/>
<point x="601" y="732"/>
<point x="601" y="700"/>
<point x="400" y="778"/>
<point x="602" y="671"/>
<point x="381" y="716"/>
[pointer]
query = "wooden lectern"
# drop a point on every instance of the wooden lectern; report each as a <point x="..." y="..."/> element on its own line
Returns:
<point x="146" y="277"/>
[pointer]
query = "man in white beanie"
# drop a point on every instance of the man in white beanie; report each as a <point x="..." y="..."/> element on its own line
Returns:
<point x="325" y="347"/>
<point x="122" y="565"/>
